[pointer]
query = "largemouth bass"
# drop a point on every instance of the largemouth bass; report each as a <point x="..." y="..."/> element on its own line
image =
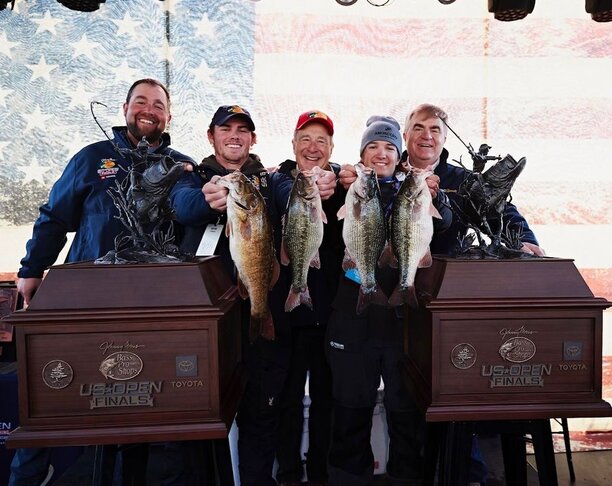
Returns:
<point x="364" y="235"/>
<point x="252" y="248"/>
<point x="411" y="231"/>
<point x="302" y="236"/>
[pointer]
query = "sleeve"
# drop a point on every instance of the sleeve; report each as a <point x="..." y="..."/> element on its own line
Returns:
<point x="282" y="184"/>
<point x="60" y="215"/>
<point x="513" y="220"/>
<point x="189" y="203"/>
<point x="442" y="204"/>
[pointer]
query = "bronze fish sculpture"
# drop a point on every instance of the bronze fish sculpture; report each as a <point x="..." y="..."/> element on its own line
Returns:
<point x="411" y="231"/>
<point x="302" y="236"/>
<point x="364" y="233"/>
<point x="252" y="248"/>
<point x="150" y="188"/>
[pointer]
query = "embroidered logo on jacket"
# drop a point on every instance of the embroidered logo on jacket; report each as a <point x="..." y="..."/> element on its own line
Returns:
<point x="108" y="168"/>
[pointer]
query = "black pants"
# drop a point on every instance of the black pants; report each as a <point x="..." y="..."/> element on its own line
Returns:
<point x="361" y="350"/>
<point x="258" y="412"/>
<point x="307" y="358"/>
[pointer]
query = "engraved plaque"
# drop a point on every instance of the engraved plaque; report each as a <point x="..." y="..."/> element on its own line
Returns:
<point x="57" y="374"/>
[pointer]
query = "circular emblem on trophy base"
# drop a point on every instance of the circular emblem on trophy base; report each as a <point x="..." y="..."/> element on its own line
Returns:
<point x="463" y="356"/>
<point x="57" y="374"/>
<point x="121" y="366"/>
<point x="518" y="350"/>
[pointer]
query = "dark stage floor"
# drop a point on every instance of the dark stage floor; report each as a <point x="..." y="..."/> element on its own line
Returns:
<point x="592" y="468"/>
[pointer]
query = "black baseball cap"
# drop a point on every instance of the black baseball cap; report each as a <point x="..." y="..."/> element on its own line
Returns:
<point x="226" y="112"/>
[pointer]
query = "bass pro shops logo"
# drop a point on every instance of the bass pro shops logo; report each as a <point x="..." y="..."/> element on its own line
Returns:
<point x="108" y="168"/>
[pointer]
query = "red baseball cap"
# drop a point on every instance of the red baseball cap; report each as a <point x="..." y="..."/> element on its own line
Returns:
<point x="315" y="116"/>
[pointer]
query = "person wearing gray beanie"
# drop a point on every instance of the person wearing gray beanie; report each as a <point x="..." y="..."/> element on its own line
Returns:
<point x="385" y="128"/>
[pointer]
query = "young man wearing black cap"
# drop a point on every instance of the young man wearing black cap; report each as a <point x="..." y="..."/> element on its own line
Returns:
<point x="199" y="201"/>
<point x="312" y="146"/>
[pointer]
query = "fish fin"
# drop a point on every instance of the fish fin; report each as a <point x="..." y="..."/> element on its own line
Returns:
<point x="388" y="258"/>
<point x="426" y="261"/>
<point x="341" y="212"/>
<point x="405" y="295"/>
<point x="261" y="326"/>
<point x="242" y="290"/>
<point x="254" y="329"/>
<point x="377" y="296"/>
<point x="296" y="297"/>
<point x="228" y="229"/>
<point x="434" y="212"/>
<point x="283" y="253"/>
<point x="323" y="217"/>
<point x="316" y="261"/>
<point x="413" y="301"/>
<point x="275" y="273"/>
<point x="246" y="230"/>
<point x="267" y="327"/>
<point x="348" y="262"/>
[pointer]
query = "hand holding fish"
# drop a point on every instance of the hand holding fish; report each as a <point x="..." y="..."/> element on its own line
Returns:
<point x="433" y="183"/>
<point x="215" y="194"/>
<point x="347" y="175"/>
<point x="326" y="182"/>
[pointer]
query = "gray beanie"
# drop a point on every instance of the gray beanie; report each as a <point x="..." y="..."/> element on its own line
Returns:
<point x="385" y="128"/>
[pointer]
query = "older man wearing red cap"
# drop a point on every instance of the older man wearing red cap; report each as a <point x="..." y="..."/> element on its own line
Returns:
<point x="312" y="146"/>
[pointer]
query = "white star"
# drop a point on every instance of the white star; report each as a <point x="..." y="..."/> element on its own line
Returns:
<point x="6" y="45"/>
<point x="79" y="96"/>
<point x="3" y="145"/>
<point x="203" y="73"/>
<point x="34" y="172"/>
<point x="166" y="51"/>
<point x="125" y="73"/>
<point x="37" y="119"/>
<point x="127" y="25"/>
<point x="42" y="69"/>
<point x="3" y="95"/>
<point x="205" y="27"/>
<point x="47" y="23"/>
<point x="84" y="47"/>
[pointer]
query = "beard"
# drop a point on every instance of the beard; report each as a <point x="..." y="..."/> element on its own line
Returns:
<point x="151" y="136"/>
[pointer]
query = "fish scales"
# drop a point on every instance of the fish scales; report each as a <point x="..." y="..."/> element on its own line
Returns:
<point x="302" y="237"/>
<point x="252" y="249"/>
<point x="411" y="234"/>
<point x="364" y="234"/>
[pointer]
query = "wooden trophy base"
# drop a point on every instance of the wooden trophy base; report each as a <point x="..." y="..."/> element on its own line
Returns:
<point x="505" y="339"/>
<point x="128" y="353"/>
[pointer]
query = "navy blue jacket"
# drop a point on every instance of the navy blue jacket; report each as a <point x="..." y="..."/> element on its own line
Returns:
<point x="78" y="202"/>
<point x="195" y="213"/>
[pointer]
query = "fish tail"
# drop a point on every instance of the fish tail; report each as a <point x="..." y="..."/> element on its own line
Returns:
<point x="404" y="295"/>
<point x="261" y="326"/>
<point x="297" y="296"/>
<point x="375" y="296"/>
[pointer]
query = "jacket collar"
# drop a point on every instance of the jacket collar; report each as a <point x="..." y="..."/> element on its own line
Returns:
<point x="252" y="165"/>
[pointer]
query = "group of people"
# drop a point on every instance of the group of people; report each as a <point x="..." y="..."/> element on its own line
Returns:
<point x="343" y="354"/>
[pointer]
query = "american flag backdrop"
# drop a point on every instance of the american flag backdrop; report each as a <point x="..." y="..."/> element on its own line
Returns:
<point x="540" y="88"/>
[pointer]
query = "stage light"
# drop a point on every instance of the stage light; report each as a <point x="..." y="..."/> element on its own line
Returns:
<point x="4" y="3"/>
<point x="82" y="5"/>
<point x="508" y="10"/>
<point x="600" y="10"/>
